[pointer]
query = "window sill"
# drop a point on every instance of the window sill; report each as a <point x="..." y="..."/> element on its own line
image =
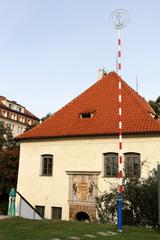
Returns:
<point x="45" y="175"/>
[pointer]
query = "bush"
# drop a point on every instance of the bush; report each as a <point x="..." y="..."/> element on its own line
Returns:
<point x="4" y="199"/>
<point x="140" y="202"/>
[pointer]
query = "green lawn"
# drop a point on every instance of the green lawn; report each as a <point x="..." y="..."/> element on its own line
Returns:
<point x="23" y="229"/>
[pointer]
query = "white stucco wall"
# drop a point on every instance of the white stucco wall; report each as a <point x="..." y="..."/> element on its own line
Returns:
<point x="74" y="155"/>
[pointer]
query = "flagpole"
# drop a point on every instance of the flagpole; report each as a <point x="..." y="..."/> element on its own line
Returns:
<point x="119" y="19"/>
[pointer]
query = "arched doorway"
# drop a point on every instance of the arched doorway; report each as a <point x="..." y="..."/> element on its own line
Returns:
<point x="82" y="216"/>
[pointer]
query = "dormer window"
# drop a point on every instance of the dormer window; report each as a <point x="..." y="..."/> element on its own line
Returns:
<point x="86" y="115"/>
<point x="10" y="106"/>
<point x="19" y="109"/>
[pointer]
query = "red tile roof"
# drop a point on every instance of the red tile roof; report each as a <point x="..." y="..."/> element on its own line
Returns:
<point x="101" y="99"/>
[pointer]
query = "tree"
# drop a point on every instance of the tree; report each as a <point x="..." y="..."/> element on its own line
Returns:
<point x="47" y="116"/>
<point x="155" y="105"/>
<point x="29" y="127"/>
<point x="140" y="202"/>
<point x="9" y="156"/>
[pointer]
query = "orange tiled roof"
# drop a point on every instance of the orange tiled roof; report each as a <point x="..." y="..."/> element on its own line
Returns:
<point x="101" y="99"/>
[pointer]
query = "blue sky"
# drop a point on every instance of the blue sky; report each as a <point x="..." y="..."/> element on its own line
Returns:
<point x="51" y="50"/>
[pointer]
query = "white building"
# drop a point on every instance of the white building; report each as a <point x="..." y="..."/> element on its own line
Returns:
<point x="73" y="156"/>
<point x="15" y="116"/>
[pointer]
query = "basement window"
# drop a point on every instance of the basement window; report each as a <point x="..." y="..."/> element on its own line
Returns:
<point x="56" y="213"/>
<point x="86" y="115"/>
<point x="40" y="210"/>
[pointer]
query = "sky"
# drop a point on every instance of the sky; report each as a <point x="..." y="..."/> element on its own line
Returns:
<point x="51" y="50"/>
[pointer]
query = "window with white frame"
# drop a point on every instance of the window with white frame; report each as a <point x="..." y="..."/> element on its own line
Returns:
<point x="47" y="164"/>
<point x="110" y="165"/>
<point x="132" y="164"/>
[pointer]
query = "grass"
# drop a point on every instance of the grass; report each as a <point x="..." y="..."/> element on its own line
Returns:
<point x="24" y="229"/>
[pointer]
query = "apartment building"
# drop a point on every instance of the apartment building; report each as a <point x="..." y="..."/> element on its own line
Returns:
<point x="15" y="116"/>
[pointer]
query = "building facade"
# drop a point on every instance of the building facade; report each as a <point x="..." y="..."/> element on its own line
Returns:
<point x="73" y="156"/>
<point x="15" y="116"/>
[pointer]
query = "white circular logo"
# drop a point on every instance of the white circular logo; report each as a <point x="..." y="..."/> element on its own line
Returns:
<point x="119" y="18"/>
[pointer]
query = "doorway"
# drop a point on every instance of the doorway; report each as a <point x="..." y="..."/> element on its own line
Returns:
<point x="82" y="216"/>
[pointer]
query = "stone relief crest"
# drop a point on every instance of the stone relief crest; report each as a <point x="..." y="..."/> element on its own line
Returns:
<point x="83" y="188"/>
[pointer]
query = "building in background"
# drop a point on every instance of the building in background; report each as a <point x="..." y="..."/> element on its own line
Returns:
<point x="15" y="116"/>
<point x="73" y="156"/>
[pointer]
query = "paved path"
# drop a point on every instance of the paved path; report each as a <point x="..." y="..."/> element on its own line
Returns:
<point x="3" y="217"/>
<point x="89" y="236"/>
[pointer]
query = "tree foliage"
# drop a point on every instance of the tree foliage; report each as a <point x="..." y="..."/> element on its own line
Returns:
<point x="29" y="127"/>
<point x="140" y="202"/>
<point x="9" y="156"/>
<point x="45" y="117"/>
<point x="155" y="105"/>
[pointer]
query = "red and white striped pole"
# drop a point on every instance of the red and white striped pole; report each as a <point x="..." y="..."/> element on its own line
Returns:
<point x="120" y="200"/>
<point x="119" y="19"/>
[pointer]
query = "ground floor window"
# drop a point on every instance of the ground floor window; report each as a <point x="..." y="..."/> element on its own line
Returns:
<point x="56" y="213"/>
<point x="40" y="210"/>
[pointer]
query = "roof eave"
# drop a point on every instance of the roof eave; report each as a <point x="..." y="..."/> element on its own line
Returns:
<point x="84" y="135"/>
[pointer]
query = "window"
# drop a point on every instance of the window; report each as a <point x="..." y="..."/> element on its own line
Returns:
<point x="19" y="109"/>
<point x="132" y="164"/>
<point x="86" y="115"/>
<point x="19" y="129"/>
<point x="29" y="122"/>
<point x="40" y="210"/>
<point x="47" y="165"/>
<point x="110" y="165"/>
<point x="56" y="213"/>
<point x="8" y="125"/>
<point x="4" y="113"/>
<point x="10" y="106"/>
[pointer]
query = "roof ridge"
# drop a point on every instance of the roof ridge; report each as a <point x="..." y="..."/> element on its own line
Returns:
<point x="82" y="93"/>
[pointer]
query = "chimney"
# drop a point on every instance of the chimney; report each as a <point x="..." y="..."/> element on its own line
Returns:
<point x="101" y="73"/>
